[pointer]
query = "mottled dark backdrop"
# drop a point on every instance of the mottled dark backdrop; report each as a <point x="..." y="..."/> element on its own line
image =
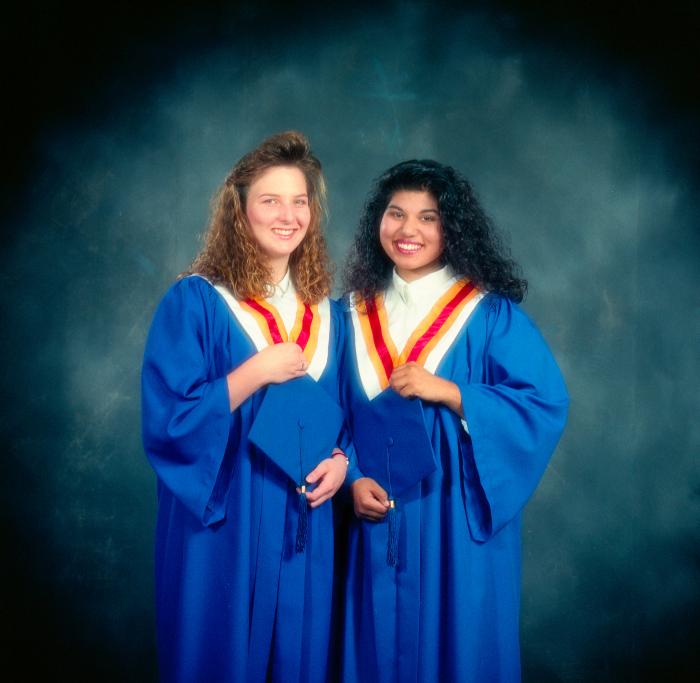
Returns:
<point x="578" y="126"/>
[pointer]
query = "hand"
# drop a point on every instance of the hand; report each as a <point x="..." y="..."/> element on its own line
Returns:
<point x="369" y="499"/>
<point x="281" y="362"/>
<point x="273" y="365"/>
<point x="328" y="476"/>
<point x="413" y="381"/>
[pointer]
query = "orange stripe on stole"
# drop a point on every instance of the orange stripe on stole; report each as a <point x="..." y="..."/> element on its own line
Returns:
<point x="374" y="326"/>
<point x="305" y="331"/>
<point x="268" y="319"/>
<point x="380" y="346"/>
<point x="436" y="324"/>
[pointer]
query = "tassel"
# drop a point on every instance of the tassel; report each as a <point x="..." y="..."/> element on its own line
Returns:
<point x="392" y="544"/>
<point x="302" y="528"/>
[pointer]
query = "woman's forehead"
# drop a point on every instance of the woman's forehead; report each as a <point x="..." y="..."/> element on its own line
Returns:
<point x="419" y="200"/>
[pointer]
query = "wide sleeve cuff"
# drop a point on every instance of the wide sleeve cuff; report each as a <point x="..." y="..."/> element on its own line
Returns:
<point x="186" y="418"/>
<point x="516" y="409"/>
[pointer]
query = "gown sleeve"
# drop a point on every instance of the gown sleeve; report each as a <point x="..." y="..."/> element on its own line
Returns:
<point x="515" y="417"/>
<point x="186" y="416"/>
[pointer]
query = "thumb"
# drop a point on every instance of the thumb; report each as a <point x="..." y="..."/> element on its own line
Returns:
<point x="316" y="473"/>
<point x="379" y="493"/>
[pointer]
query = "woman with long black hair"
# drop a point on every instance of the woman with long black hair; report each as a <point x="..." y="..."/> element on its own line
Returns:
<point x="455" y="405"/>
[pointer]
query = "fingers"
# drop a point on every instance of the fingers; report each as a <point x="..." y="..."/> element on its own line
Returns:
<point x="377" y="493"/>
<point x="412" y="381"/>
<point x="406" y="369"/>
<point x="327" y="478"/>
<point x="366" y="486"/>
<point x="301" y="365"/>
<point x="282" y="362"/>
<point x="320" y="501"/>
<point x="370" y="516"/>
<point x="401" y="381"/>
<point x="293" y="355"/>
<point x="405" y="390"/>
<point x="325" y="490"/>
<point x="318" y="471"/>
<point x="372" y="506"/>
<point x="370" y="499"/>
<point x="298" y="363"/>
<point x="325" y="487"/>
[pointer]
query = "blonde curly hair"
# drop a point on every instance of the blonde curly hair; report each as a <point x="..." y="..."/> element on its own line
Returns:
<point x="231" y="256"/>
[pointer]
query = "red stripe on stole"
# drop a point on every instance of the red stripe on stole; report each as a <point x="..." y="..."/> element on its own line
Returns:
<point x="435" y="326"/>
<point x="269" y="319"/>
<point x="303" y="339"/>
<point x="378" y="338"/>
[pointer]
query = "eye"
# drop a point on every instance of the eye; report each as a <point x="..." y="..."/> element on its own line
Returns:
<point x="270" y="200"/>
<point x="429" y="217"/>
<point x="302" y="201"/>
<point x="398" y="215"/>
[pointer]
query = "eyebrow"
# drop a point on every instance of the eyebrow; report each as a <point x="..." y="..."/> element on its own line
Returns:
<point x="396" y="206"/>
<point x="274" y="194"/>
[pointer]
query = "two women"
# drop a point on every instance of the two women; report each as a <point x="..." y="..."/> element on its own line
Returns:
<point x="454" y="406"/>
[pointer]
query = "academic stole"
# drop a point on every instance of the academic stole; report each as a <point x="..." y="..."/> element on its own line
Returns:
<point x="305" y="334"/>
<point x="304" y="331"/>
<point x="380" y="346"/>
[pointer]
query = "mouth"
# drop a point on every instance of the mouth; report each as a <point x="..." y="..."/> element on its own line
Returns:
<point x="407" y="247"/>
<point x="284" y="233"/>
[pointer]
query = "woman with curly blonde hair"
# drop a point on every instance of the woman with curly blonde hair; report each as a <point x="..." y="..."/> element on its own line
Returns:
<point x="240" y="416"/>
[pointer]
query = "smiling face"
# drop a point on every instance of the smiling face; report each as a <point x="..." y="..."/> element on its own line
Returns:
<point x="411" y="233"/>
<point x="278" y="212"/>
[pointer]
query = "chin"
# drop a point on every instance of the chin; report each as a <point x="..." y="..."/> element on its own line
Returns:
<point x="286" y="249"/>
<point x="408" y="263"/>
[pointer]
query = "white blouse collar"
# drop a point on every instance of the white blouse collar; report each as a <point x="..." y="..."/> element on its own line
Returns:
<point x="424" y="290"/>
<point x="283" y="289"/>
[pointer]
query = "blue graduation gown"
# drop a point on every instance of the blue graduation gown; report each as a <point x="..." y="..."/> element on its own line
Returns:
<point x="235" y="602"/>
<point x="449" y="610"/>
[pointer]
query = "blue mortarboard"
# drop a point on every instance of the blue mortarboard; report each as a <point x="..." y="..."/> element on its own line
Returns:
<point x="393" y="448"/>
<point x="297" y="426"/>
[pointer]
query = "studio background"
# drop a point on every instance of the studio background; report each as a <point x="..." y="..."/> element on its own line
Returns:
<point x="579" y="130"/>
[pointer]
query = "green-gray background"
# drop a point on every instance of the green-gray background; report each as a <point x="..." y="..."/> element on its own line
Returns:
<point x="584" y="159"/>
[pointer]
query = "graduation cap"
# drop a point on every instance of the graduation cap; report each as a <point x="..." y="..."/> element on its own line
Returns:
<point x="297" y="426"/>
<point x="394" y="449"/>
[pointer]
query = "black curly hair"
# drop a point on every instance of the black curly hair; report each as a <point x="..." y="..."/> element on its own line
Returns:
<point x="472" y="246"/>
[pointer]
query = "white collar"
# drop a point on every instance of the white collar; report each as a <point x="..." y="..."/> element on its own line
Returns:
<point x="283" y="289"/>
<point x="424" y="290"/>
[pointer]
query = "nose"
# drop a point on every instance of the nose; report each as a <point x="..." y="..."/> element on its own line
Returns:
<point x="410" y="226"/>
<point x="286" y="215"/>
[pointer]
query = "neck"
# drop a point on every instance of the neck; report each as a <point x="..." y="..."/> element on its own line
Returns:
<point x="278" y="269"/>
<point x="417" y="274"/>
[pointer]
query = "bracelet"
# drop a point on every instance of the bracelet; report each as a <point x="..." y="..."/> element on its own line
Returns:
<point x="337" y="451"/>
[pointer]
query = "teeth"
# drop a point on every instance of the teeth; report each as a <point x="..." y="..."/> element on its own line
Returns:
<point x="282" y="232"/>
<point x="408" y="246"/>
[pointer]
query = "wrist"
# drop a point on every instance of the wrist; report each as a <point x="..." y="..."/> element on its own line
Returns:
<point x="259" y="369"/>
<point x="452" y="396"/>
<point x="338" y="454"/>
